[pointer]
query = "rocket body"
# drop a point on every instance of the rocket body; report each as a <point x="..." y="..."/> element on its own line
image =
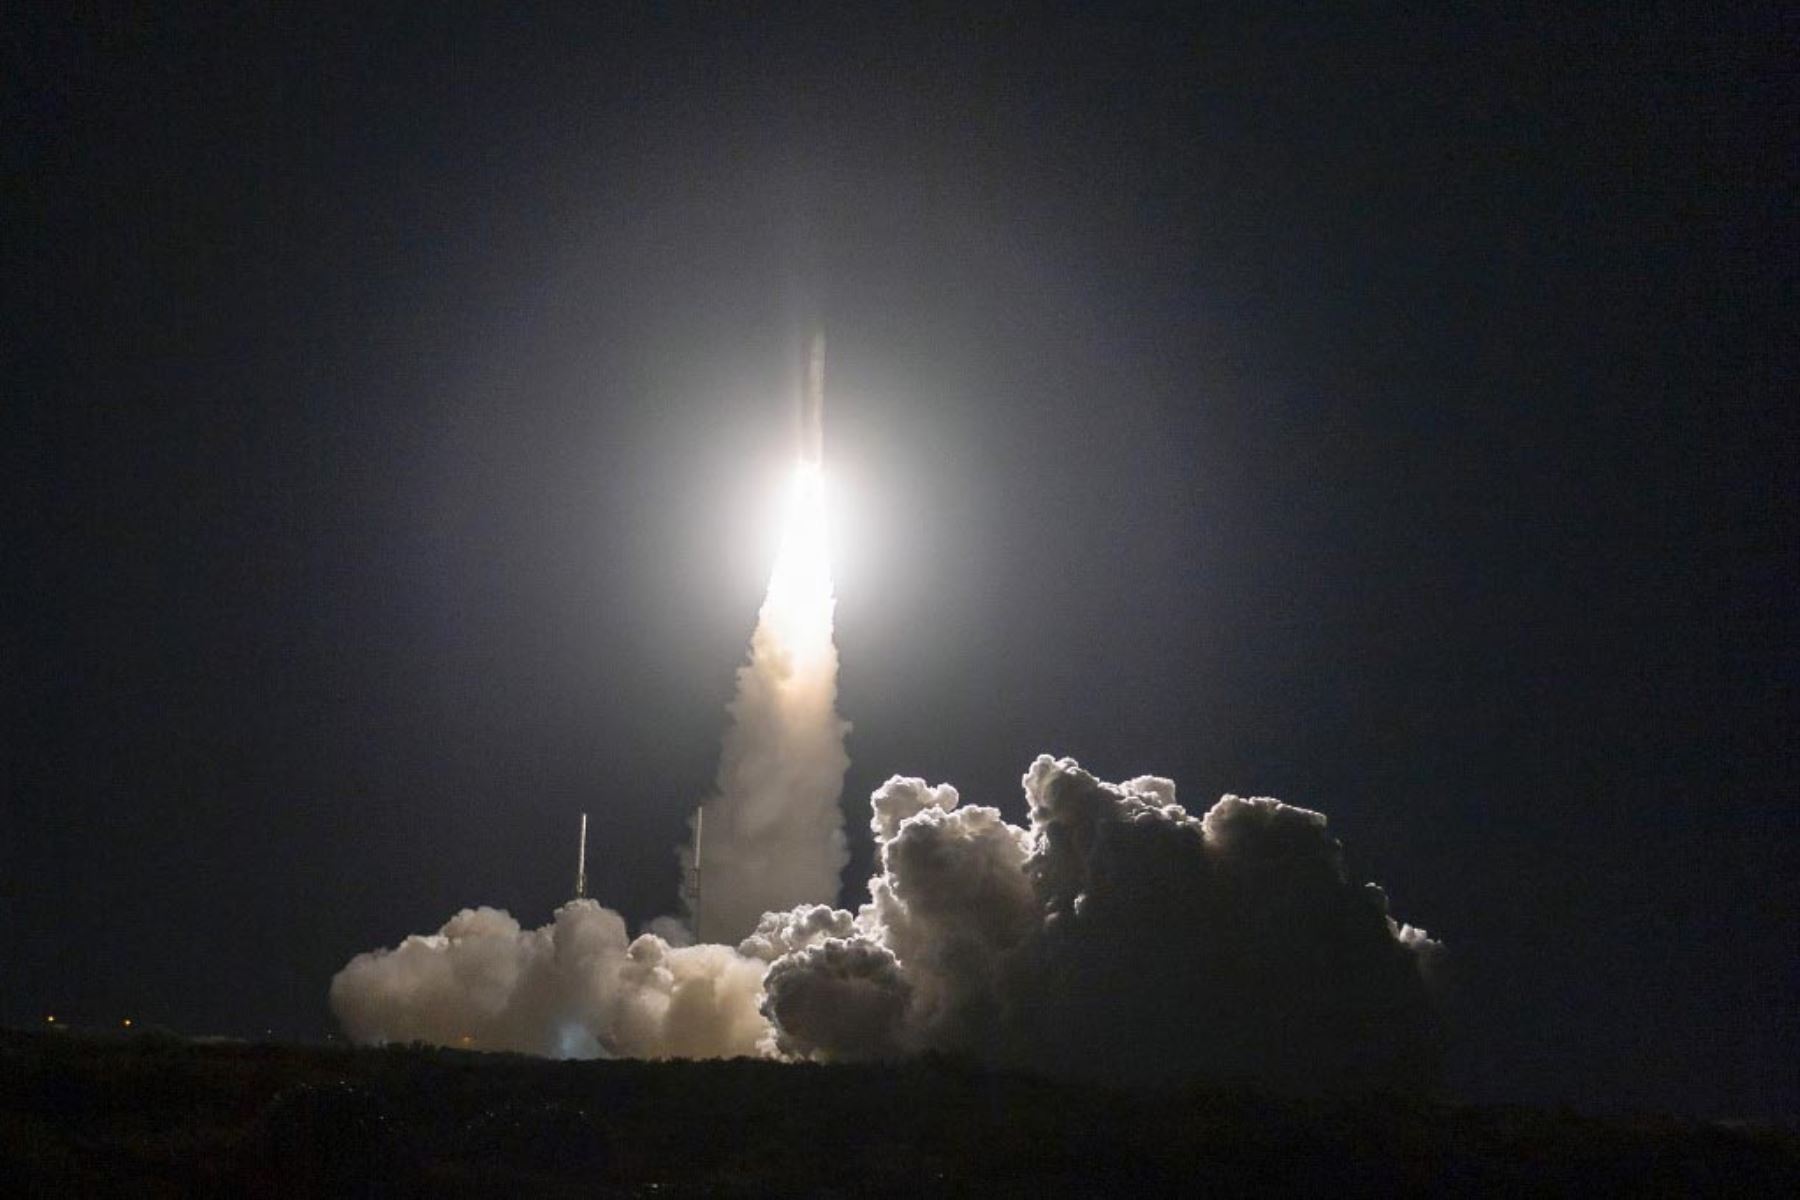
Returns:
<point x="812" y="403"/>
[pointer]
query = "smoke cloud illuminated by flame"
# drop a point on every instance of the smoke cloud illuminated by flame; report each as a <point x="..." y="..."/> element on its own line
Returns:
<point x="774" y="830"/>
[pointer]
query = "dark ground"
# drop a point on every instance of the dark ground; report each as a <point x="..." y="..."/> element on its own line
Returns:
<point x="158" y="1115"/>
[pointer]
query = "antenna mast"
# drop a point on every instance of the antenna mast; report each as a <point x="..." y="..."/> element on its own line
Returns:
<point x="581" y="863"/>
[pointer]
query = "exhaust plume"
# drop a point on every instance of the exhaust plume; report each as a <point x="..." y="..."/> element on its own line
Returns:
<point x="774" y="828"/>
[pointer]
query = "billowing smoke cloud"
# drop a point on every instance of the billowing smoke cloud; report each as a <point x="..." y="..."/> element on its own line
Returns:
<point x="577" y="988"/>
<point x="1117" y="936"/>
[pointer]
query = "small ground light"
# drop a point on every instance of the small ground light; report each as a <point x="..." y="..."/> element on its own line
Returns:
<point x="126" y="1022"/>
<point x="50" y="1020"/>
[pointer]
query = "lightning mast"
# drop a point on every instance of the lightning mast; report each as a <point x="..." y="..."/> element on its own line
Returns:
<point x="581" y="863"/>
<point x="690" y="886"/>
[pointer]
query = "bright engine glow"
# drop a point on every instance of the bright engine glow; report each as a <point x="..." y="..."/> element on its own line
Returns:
<point x="798" y="608"/>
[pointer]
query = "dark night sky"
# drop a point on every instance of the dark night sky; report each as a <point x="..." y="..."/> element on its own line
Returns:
<point x="1390" y="414"/>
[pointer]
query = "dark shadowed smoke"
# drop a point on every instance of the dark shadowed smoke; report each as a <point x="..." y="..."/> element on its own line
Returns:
<point x="1118" y="937"/>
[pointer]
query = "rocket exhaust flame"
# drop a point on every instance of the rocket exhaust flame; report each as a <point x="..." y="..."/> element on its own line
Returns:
<point x="798" y="608"/>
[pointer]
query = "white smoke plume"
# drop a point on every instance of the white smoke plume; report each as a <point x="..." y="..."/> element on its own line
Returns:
<point x="1116" y="936"/>
<point x="774" y="830"/>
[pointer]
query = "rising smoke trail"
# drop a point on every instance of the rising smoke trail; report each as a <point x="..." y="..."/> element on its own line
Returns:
<point x="774" y="829"/>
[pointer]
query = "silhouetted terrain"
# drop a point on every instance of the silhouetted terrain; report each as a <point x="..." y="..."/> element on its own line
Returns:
<point x="157" y="1115"/>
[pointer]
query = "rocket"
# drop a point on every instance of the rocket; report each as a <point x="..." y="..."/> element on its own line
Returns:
<point x="812" y="404"/>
